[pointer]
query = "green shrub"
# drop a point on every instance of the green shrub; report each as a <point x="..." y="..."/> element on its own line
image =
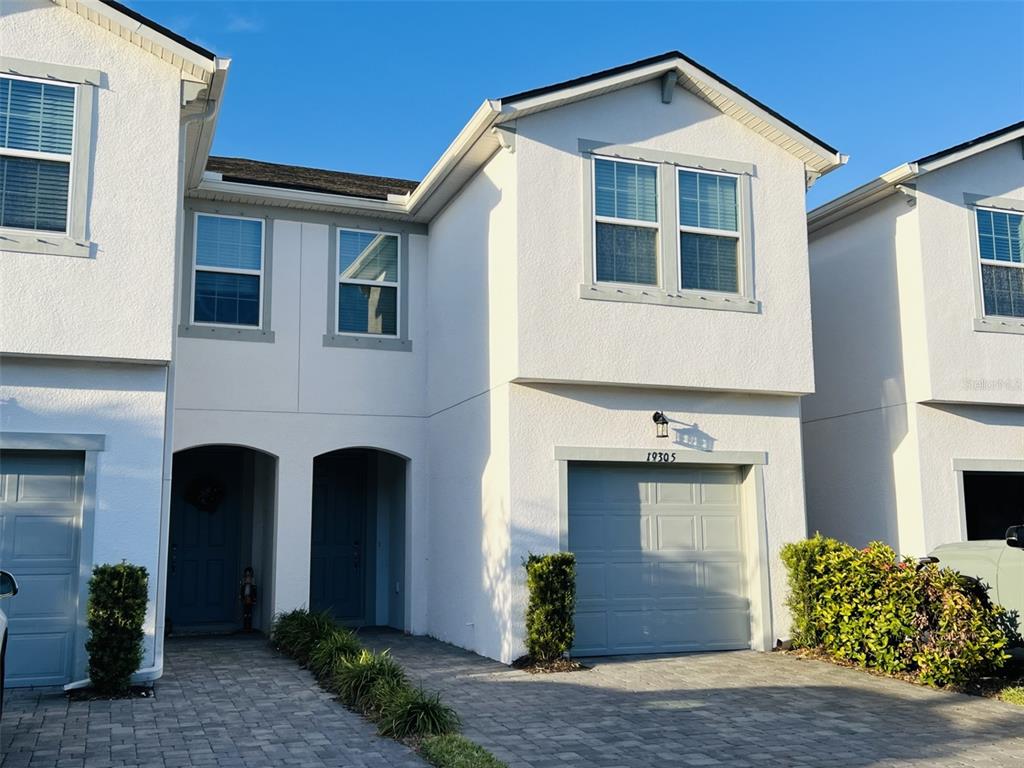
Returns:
<point x="362" y="681"/>
<point x="551" y="580"/>
<point x="330" y="650"/>
<point x="871" y="608"/>
<point x="117" y="608"/>
<point x="414" y="712"/>
<point x="296" y="632"/>
<point x="455" y="751"/>
<point x="1013" y="695"/>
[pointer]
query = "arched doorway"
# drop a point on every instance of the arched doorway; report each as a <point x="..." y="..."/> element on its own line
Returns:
<point x="222" y="513"/>
<point x="357" y="544"/>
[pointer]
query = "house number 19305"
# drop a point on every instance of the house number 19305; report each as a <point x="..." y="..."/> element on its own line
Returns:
<point x="661" y="457"/>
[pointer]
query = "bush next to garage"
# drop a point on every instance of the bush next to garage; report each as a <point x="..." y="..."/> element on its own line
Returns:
<point x="551" y="580"/>
<point x="874" y="609"/>
<point x="117" y="609"/>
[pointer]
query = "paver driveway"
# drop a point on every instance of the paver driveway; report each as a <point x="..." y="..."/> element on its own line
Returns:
<point x="730" y="709"/>
<point x="228" y="702"/>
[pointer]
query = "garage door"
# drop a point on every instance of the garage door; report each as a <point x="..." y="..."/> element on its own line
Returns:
<point x="660" y="559"/>
<point x="40" y="521"/>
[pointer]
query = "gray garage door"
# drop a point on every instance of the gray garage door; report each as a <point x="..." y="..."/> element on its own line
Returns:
<point x="40" y="523"/>
<point x="660" y="559"/>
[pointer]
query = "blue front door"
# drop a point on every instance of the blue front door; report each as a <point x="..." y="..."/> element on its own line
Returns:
<point x="338" y="543"/>
<point x="203" y="573"/>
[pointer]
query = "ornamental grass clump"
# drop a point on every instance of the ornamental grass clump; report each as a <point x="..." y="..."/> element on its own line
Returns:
<point x="551" y="581"/>
<point x="330" y="650"/>
<point x="363" y="681"/>
<point x="118" y="595"/>
<point x="296" y="633"/>
<point x="871" y="608"/>
<point x="414" y="712"/>
<point x="455" y="751"/>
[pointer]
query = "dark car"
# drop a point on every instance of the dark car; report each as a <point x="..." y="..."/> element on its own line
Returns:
<point x="8" y="588"/>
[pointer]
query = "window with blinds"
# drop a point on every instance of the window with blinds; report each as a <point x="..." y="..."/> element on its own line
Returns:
<point x="1002" y="262"/>
<point x="708" y="232"/>
<point x="368" y="283"/>
<point x="37" y="124"/>
<point x="227" y="286"/>
<point x="626" y="222"/>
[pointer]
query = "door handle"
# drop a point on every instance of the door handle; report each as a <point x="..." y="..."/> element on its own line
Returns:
<point x="357" y="553"/>
<point x="174" y="560"/>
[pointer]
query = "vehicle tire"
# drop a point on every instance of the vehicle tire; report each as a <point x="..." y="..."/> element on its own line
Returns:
<point x="3" y="672"/>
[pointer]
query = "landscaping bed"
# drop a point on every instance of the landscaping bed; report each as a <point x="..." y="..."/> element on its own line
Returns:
<point x="376" y="686"/>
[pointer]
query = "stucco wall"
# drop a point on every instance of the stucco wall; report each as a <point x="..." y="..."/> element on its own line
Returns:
<point x="966" y="365"/>
<point x="643" y="344"/>
<point x="118" y="303"/>
<point x="125" y="403"/>
<point x="545" y="416"/>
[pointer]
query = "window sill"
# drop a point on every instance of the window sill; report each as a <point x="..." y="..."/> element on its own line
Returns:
<point x="225" y="334"/>
<point x="51" y="244"/>
<point x="999" y="325"/>
<point x="655" y="295"/>
<point x="390" y="344"/>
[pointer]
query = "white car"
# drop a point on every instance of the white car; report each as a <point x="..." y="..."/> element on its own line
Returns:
<point x="8" y="588"/>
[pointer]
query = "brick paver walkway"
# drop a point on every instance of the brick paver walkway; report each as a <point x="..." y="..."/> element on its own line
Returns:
<point x="226" y="702"/>
<point x="726" y="709"/>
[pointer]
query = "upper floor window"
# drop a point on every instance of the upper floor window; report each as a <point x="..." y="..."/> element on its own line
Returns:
<point x="368" y="283"/>
<point x="1000" y="234"/>
<point x="709" y="235"/>
<point x="227" y="285"/>
<point x="37" y="127"/>
<point x="625" y="222"/>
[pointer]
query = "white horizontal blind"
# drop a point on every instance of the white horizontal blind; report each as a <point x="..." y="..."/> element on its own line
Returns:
<point x="1000" y="237"/>
<point x="228" y="275"/>
<point x="36" y="141"/>
<point x="626" y="222"/>
<point x="368" y="283"/>
<point x="708" y="232"/>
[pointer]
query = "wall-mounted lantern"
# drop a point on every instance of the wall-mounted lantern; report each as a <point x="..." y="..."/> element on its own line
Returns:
<point x="660" y="424"/>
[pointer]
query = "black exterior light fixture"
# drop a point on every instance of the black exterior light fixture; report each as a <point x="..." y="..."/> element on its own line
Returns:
<point x="661" y="424"/>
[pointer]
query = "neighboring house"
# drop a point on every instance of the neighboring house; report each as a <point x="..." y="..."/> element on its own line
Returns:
<point x="387" y="393"/>
<point x="915" y="434"/>
<point x="101" y="116"/>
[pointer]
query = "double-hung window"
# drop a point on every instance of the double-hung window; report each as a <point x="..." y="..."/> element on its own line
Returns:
<point x="709" y="237"/>
<point x="1000" y="234"/>
<point x="368" y="283"/>
<point x="227" y="286"/>
<point x="626" y="222"/>
<point x="37" y="128"/>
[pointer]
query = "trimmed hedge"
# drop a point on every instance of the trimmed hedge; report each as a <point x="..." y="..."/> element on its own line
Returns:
<point x="551" y="580"/>
<point x="454" y="751"/>
<point x="117" y="609"/>
<point x="871" y="608"/>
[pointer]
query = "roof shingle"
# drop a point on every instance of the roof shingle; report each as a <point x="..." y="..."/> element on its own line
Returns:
<point x="245" y="171"/>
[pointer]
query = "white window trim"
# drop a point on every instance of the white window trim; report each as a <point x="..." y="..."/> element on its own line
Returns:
<point x="985" y="322"/>
<point x="73" y="240"/>
<point x="228" y="270"/>
<point x="396" y="284"/>
<point x="598" y="219"/>
<point x="669" y="291"/>
<point x="736" y="235"/>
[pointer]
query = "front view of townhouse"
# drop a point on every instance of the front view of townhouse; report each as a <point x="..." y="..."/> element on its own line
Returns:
<point x="380" y="394"/>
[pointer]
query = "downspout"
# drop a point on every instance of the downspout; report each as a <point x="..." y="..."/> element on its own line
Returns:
<point x="156" y="669"/>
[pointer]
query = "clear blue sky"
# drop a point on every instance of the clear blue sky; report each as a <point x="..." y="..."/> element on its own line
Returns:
<point x="382" y="88"/>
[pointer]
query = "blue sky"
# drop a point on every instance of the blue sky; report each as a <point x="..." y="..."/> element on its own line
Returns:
<point x="383" y="87"/>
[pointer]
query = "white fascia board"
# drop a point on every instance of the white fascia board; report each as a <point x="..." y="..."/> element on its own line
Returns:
<point x="977" y="149"/>
<point x="482" y="120"/>
<point x="95" y="10"/>
<point x="199" y="135"/>
<point x="277" y="195"/>
<point x="860" y="198"/>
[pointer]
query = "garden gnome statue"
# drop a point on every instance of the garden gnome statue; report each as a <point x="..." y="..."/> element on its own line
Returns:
<point x="247" y="594"/>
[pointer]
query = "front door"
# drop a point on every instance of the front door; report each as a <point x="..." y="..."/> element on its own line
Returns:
<point x="203" y="573"/>
<point x="338" y="543"/>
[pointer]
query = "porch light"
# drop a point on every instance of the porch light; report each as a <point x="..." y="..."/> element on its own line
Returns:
<point x="661" y="424"/>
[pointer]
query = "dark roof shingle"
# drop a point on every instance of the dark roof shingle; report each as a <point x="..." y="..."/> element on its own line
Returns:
<point x="244" y="171"/>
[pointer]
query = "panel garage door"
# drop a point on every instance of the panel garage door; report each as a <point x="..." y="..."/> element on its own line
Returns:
<point x="40" y="524"/>
<point x="660" y="559"/>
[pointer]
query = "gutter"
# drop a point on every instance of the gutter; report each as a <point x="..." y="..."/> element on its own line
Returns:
<point x="861" y="197"/>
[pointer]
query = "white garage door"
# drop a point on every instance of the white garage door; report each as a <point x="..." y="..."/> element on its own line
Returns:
<point x="40" y="524"/>
<point x="660" y="559"/>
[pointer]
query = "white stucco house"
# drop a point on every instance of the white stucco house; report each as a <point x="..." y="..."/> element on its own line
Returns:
<point x="915" y="433"/>
<point x="588" y="327"/>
